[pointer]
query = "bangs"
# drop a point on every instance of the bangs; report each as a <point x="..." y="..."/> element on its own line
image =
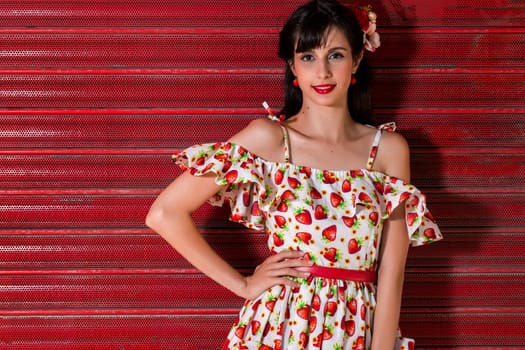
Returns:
<point x="313" y="33"/>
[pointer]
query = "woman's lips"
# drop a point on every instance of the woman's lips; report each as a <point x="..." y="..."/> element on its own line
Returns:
<point x="324" y="89"/>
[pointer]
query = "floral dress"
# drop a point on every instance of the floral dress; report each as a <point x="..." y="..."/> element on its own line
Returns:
<point x="335" y="217"/>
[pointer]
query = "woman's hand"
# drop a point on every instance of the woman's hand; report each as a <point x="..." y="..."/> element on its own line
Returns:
<point x="274" y="271"/>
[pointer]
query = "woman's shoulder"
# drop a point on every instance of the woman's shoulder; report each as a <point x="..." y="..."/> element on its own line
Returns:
<point x="262" y="137"/>
<point x="393" y="156"/>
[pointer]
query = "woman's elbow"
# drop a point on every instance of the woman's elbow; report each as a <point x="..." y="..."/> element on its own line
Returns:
<point x="155" y="217"/>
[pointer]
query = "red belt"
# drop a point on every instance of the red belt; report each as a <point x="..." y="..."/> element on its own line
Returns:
<point x="340" y="274"/>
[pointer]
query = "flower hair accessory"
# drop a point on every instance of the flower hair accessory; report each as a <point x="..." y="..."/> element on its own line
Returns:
<point x="367" y="20"/>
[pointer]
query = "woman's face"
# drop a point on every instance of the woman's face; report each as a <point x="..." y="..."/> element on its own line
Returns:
<point x="324" y="73"/>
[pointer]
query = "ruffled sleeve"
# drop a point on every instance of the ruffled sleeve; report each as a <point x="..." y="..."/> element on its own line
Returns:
<point x="238" y="170"/>
<point x="421" y="226"/>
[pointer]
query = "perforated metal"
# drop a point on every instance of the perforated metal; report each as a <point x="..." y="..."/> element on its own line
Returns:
<point x="96" y="95"/>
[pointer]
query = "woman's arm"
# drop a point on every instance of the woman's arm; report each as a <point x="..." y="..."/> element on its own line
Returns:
<point x="392" y="259"/>
<point x="170" y="217"/>
<point x="393" y="249"/>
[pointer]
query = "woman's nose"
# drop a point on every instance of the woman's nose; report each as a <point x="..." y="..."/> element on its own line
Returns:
<point x="324" y="69"/>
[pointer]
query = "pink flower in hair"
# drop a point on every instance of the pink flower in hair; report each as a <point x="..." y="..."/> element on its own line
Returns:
<point x="367" y="20"/>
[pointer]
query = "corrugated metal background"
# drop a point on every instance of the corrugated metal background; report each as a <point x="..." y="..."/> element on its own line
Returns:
<point x="95" y="96"/>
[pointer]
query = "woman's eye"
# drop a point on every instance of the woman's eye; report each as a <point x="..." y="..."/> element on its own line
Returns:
<point x="335" y="55"/>
<point x="307" y="58"/>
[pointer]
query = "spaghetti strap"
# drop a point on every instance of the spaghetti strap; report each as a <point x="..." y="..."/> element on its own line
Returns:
<point x="286" y="137"/>
<point x="286" y="144"/>
<point x="375" y="145"/>
<point x="373" y="150"/>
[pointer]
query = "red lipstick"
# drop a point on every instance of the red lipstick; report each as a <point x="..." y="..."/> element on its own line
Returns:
<point x="324" y="89"/>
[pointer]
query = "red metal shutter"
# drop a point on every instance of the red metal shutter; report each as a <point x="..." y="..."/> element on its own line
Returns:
<point x="95" y="96"/>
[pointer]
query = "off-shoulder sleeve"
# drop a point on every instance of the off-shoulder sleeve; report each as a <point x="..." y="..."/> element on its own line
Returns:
<point x="238" y="170"/>
<point x="421" y="226"/>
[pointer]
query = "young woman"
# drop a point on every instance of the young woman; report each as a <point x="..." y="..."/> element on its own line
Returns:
<point x="330" y="191"/>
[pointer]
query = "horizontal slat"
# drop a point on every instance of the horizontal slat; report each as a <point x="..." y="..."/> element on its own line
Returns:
<point x="182" y="331"/>
<point x="135" y="292"/>
<point x="22" y="49"/>
<point x="110" y="291"/>
<point x="115" y="251"/>
<point x="103" y="13"/>
<point x="489" y="89"/>
<point x="186" y="332"/>
<point x="452" y="290"/>
<point x="140" y="50"/>
<point x="476" y="329"/>
<point x="93" y="129"/>
<point x="444" y="89"/>
<point x="187" y="13"/>
<point x="472" y="249"/>
<point x="96" y="211"/>
<point x="31" y="293"/>
<point x="430" y="169"/>
<point x="486" y="250"/>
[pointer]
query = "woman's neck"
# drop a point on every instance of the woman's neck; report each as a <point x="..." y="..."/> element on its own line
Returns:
<point x="333" y="124"/>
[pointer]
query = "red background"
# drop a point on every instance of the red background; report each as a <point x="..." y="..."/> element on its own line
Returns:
<point x="95" y="96"/>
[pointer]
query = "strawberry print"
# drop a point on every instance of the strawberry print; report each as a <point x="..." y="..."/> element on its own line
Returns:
<point x="430" y="233"/>
<point x="255" y="326"/>
<point x="365" y="197"/>
<point x="336" y="200"/>
<point x="351" y="304"/>
<point x="278" y="177"/>
<point x="328" y="332"/>
<point x="328" y="177"/>
<point x="357" y="174"/>
<point x="239" y="330"/>
<point x="314" y="194"/>
<point x="303" y="310"/>
<point x="288" y="195"/>
<point x="334" y="217"/>
<point x="411" y="218"/>
<point x="331" y="254"/>
<point x="293" y="182"/>
<point x="231" y="176"/>
<point x="349" y="327"/>
<point x="303" y="216"/>
<point x="354" y="245"/>
<point x="278" y="239"/>
<point x="330" y="233"/>
<point x="256" y="211"/>
<point x="350" y="222"/>
<point x="346" y="186"/>
<point x="306" y="170"/>
<point x="270" y="302"/>
<point x="280" y="220"/>
<point x="283" y="206"/>
<point x="372" y="218"/>
<point x="359" y="344"/>
<point x="330" y="308"/>
<point x="321" y="212"/>
<point x="304" y="237"/>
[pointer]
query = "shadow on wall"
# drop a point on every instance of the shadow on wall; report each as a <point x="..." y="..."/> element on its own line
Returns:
<point x="432" y="273"/>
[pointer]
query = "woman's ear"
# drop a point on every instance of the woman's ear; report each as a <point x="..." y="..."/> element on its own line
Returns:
<point x="292" y="68"/>
<point x="357" y="61"/>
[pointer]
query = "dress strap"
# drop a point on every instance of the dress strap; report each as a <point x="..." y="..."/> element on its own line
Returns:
<point x="375" y="145"/>
<point x="286" y="143"/>
<point x="286" y="137"/>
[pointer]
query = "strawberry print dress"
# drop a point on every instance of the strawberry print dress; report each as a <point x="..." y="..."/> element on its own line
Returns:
<point x="335" y="217"/>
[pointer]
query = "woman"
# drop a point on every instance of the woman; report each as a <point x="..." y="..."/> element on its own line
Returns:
<point x="324" y="186"/>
